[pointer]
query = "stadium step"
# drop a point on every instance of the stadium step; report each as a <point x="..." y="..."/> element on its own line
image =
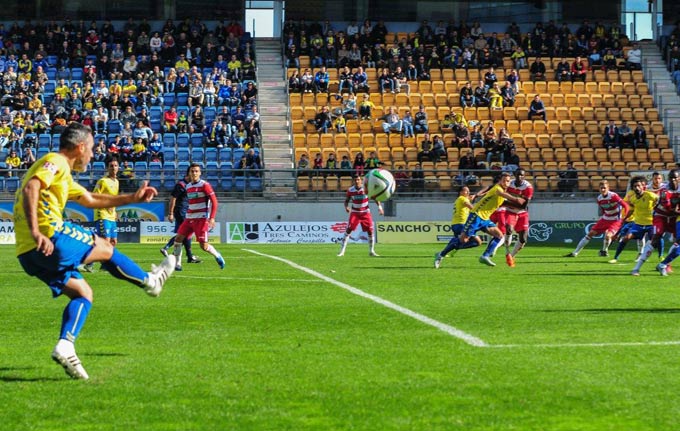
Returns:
<point x="273" y="100"/>
<point x="663" y="89"/>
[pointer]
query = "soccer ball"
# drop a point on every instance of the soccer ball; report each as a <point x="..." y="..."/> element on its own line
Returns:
<point x="379" y="184"/>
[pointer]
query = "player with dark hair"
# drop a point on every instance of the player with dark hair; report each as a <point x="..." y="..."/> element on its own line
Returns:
<point x="517" y="216"/>
<point x="51" y="249"/>
<point x="359" y="214"/>
<point x="664" y="220"/>
<point x="177" y="211"/>
<point x="479" y="219"/>
<point x="200" y="217"/>
<point x="105" y="218"/>
<point x="614" y="210"/>
<point x="461" y="211"/>
<point x="642" y="202"/>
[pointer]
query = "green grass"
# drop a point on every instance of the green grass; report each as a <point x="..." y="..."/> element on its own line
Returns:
<point x="264" y="346"/>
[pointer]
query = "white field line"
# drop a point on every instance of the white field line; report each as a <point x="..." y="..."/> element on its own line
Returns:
<point x="297" y="280"/>
<point x="454" y="332"/>
<point x="562" y="345"/>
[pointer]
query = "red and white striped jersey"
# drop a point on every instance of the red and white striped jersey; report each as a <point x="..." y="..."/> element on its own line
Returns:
<point x="358" y="200"/>
<point x="202" y="200"/>
<point x="610" y="205"/>
<point x="524" y="190"/>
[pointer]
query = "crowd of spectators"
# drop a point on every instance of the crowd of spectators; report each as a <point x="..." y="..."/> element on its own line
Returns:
<point x="131" y="85"/>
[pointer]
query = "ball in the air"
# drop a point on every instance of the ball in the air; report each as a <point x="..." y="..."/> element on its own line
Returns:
<point x="379" y="184"/>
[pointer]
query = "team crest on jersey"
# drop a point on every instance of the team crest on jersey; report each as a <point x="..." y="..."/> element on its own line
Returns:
<point x="50" y="167"/>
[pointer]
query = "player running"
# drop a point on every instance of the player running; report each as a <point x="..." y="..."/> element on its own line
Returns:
<point x="105" y="218"/>
<point x="51" y="249"/>
<point x="200" y="216"/>
<point x="643" y="203"/>
<point x="177" y="211"/>
<point x="613" y="210"/>
<point x="517" y="216"/>
<point x="479" y="220"/>
<point x="461" y="210"/>
<point x="359" y="214"/>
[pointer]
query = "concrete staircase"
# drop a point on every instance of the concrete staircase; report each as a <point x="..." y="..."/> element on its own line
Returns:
<point x="273" y="105"/>
<point x="663" y="90"/>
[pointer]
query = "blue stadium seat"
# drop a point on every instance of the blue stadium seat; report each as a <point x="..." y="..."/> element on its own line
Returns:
<point x="211" y="154"/>
<point x="41" y="152"/>
<point x="197" y="155"/>
<point x="169" y="99"/>
<point x="169" y="140"/>
<point x="155" y="174"/>
<point x="50" y="86"/>
<point x="183" y="154"/>
<point x="237" y="154"/>
<point x="182" y="167"/>
<point x="212" y="173"/>
<point x="156" y="125"/>
<point x="98" y="169"/>
<point x="210" y="113"/>
<point x="183" y="140"/>
<point x="226" y="183"/>
<point x="255" y="184"/>
<point x="2" y="184"/>
<point x="141" y="169"/>
<point x="52" y="60"/>
<point x="225" y="155"/>
<point x="155" y="113"/>
<point x="182" y="99"/>
<point x="114" y="126"/>
<point x="77" y="74"/>
<point x="170" y="154"/>
<point x="169" y="178"/>
<point x="239" y="183"/>
<point x="196" y="139"/>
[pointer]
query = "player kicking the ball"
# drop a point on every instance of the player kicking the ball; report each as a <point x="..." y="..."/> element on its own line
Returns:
<point x="359" y="214"/>
<point x="51" y="249"/>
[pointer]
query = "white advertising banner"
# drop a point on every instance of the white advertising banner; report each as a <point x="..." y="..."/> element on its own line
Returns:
<point x="7" y="233"/>
<point x="151" y="232"/>
<point x="291" y="233"/>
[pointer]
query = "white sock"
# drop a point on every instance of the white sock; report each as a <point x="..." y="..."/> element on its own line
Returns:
<point x="606" y="242"/>
<point x="345" y="240"/>
<point x="177" y="251"/>
<point x="644" y="255"/>
<point x="210" y="249"/>
<point x="371" y="243"/>
<point x="584" y="242"/>
<point x="507" y="241"/>
<point x="518" y="246"/>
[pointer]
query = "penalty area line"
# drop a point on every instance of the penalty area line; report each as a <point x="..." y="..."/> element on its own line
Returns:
<point x="454" y="332"/>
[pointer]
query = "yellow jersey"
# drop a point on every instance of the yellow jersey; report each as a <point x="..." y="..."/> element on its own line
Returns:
<point x="489" y="203"/>
<point x="643" y="207"/>
<point x="58" y="187"/>
<point x="106" y="186"/>
<point x="460" y="210"/>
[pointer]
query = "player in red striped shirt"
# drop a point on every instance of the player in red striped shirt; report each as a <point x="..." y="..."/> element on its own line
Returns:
<point x="200" y="216"/>
<point x="359" y="213"/>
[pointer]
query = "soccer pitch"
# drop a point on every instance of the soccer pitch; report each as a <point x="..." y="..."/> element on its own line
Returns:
<point x="291" y="337"/>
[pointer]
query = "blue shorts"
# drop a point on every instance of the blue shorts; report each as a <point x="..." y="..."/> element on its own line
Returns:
<point x="457" y="229"/>
<point x="625" y="229"/>
<point x="639" y="231"/>
<point x="71" y="246"/>
<point x="474" y="224"/>
<point x="106" y="229"/>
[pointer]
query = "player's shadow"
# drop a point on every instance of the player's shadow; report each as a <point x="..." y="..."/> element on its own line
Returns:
<point x="105" y="354"/>
<point x="616" y="310"/>
<point x="13" y="374"/>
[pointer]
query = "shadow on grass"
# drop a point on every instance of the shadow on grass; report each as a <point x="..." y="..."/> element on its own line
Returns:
<point x="105" y="354"/>
<point x="616" y="310"/>
<point x="12" y="374"/>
